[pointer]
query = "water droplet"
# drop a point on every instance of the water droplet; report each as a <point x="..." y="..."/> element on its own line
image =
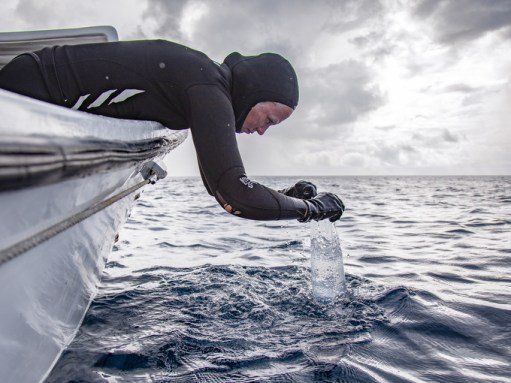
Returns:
<point x="161" y="65"/>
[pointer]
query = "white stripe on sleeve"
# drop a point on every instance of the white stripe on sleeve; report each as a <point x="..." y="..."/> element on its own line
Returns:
<point x="80" y="101"/>
<point x="124" y="95"/>
<point x="101" y="99"/>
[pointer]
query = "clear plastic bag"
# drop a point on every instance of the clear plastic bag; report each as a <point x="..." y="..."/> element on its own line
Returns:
<point x="327" y="268"/>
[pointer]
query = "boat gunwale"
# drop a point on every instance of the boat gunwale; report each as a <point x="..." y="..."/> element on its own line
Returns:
<point x="36" y="161"/>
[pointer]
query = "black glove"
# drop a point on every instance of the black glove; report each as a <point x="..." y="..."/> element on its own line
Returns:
<point x="325" y="205"/>
<point x="302" y="189"/>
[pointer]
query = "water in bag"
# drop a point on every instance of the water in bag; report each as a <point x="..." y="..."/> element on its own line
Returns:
<point x="327" y="269"/>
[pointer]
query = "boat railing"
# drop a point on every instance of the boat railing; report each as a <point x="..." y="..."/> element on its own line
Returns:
<point x="13" y="44"/>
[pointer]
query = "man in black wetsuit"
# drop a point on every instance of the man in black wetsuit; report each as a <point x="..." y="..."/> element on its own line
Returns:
<point x="182" y="88"/>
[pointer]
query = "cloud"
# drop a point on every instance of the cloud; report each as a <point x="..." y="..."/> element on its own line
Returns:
<point x="436" y="139"/>
<point x="169" y="14"/>
<point x="386" y="127"/>
<point x="456" y="21"/>
<point x="50" y="13"/>
<point x="28" y="10"/>
<point x="124" y="15"/>
<point x="352" y="14"/>
<point x="337" y="95"/>
<point x="289" y="27"/>
<point x="461" y="88"/>
<point x="482" y="94"/>
<point x="389" y="154"/>
<point x="248" y="27"/>
<point x="449" y="137"/>
<point x="356" y="160"/>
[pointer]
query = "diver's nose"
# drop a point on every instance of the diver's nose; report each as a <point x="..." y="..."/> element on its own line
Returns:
<point x="261" y="130"/>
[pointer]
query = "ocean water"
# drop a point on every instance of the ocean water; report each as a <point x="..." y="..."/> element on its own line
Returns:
<point x="193" y="294"/>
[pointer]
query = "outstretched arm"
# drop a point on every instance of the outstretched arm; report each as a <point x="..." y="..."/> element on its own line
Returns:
<point x="213" y="131"/>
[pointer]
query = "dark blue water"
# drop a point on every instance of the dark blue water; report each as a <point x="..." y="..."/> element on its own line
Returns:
<point x="192" y="294"/>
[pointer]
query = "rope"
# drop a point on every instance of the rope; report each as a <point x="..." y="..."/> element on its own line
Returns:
<point x="26" y="244"/>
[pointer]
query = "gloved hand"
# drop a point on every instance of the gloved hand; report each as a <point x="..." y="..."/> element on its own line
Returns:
<point x="302" y="189"/>
<point x="325" y="205"/>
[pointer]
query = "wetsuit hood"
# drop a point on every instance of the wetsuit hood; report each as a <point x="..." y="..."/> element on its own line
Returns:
<point x="266" y="77"/>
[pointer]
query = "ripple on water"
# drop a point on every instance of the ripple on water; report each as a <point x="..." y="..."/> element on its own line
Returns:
<point x="224" y="318"/>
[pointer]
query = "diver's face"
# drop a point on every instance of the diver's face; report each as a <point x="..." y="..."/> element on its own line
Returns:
<point x="263" y="115"/>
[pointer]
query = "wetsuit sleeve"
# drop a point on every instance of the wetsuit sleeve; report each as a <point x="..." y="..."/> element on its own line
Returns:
<point x="213" y="131"/>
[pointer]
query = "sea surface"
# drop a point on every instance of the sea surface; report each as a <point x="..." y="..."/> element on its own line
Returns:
<point x="193" y="294"/>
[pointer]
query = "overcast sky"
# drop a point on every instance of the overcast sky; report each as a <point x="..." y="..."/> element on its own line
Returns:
<point x="386" y="87"/>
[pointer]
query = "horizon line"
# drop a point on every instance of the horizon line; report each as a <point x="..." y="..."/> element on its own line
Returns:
<point x="366" y="175"/>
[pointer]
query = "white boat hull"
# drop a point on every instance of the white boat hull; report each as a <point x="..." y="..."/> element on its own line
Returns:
<point x="47" y="289"/>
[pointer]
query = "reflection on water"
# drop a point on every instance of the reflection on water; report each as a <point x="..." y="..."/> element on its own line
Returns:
<point x="192" y="294"/>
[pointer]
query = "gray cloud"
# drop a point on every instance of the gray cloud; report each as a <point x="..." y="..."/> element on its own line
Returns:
<point x="408" y="148"/>
<point x="137" y="34"/>
<point x="168" y="14"/>
<point x="337" y="95"/>
<point x="426" y="8"/>
<point x="391" y="154"/>
<point x="374" y="45"/>
<point x="388" y="154"/>
<point x="435" y="139"/>
<point x="248" y="27"/>
<point x="357" y="160"/>
<point x="461" y="88"/>
<point x="386" y="127"/>
<point x="30" y="10"/>
<point x="351" y="14"/>
<point x="289" y="27"/>
<point x="482" y="94"/>
<point x="449" y="137"/>
<point x="456" y="21"/>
